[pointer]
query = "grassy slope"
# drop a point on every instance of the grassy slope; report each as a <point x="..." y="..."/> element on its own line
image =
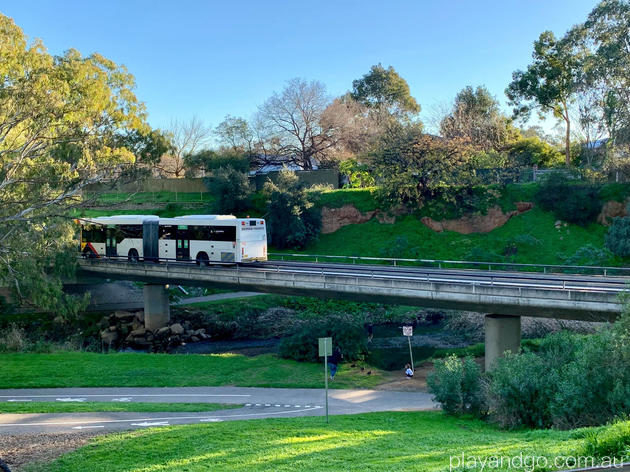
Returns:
<point x="369" y="238"/>
<point x="422" y="441"/>
<point x="81" y="369"/>
<point x="136" y="407"/>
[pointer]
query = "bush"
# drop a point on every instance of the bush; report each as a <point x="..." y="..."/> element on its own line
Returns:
<point x="230" y="189"/>
<point x="358" y="174"/>
<point x="347" y="333"/>
<point x="618" y="237"/>
<point x="589" y="255"/>
<point x="573" y="202"/>
<point x="518" y="391"/>
<point x="527" y="152"/>
<point x="293" y="220"/>
<point x="595" y="387"/>
<point x="455" y="384"/>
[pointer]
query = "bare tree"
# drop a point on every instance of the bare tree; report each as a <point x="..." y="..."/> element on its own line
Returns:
<point x="290" y="128"/>
<point x="187" y="137"/>
<point x="352" y="125"/>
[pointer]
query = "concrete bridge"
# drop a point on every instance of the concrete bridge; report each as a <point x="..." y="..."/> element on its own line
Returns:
<point x="503" y="296"/>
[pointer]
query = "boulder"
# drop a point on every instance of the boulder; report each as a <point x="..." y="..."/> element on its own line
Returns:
<point x="124" y="315"/>
<point x="163" y="331"/>
<point x="140" y="316"/>
<point x="197" y="332"/>
<point x="194" y="339"/>
<point x="141" y="331"/>
<point x="177" y="329"/>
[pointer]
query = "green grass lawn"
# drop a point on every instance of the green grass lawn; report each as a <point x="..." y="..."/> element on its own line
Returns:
<point x="82" y="369"/>
<point x="419" y="441"/>
<point x="136" y="407"/>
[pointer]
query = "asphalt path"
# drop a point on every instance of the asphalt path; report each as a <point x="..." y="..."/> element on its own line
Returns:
<point x="257" y="403"/>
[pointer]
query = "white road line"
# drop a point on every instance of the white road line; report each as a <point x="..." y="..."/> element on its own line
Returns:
<point x="149" y="423"/>
<point x="171" y="418"/>
<point x="19" y="400"/>
<point x="87" y="427"/>
<point x="70" y="399"/>
<point x="139" y="395"/>
<point x="123" y="399"/>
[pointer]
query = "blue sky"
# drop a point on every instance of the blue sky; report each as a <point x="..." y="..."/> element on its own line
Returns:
<point x="212" y="58"/>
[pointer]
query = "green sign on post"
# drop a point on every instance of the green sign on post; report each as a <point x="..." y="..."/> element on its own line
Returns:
<point x="325" y="347"/>
<point x="325" y="350"/>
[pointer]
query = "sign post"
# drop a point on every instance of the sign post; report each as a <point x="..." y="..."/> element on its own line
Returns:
<point x="408" y="331"/>
<point x="325" y="350"/>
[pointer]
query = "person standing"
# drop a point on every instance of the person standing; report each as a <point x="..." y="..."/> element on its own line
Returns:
<point x="333" y="361"/>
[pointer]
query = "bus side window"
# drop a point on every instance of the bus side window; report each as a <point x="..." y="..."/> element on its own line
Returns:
<point x="167" y="232"/>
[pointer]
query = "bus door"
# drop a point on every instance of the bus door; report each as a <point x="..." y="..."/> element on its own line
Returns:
<point x="110" y="243"/>
<point x="183" y="243"/>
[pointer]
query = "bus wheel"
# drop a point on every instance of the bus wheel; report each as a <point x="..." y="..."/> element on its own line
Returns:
<point x="203" y="259"/>
<point x="133" y="256"/>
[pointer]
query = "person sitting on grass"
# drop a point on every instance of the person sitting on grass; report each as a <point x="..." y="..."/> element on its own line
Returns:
<point x="408" y="371"/>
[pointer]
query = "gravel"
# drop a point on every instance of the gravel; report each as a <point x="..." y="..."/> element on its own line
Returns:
<point x="20" y="450"/>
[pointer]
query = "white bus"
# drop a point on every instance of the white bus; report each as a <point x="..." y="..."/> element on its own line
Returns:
<point x="203" y="239"/>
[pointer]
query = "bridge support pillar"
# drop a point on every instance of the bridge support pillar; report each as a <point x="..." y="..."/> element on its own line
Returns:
<point x="157" y="311"/>
<point x="503" y="333"/>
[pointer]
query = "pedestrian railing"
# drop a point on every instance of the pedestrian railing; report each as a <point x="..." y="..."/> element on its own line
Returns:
<point x="449" y="264"/>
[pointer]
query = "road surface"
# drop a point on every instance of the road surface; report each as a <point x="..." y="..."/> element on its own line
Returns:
<point x="258" y="403"/>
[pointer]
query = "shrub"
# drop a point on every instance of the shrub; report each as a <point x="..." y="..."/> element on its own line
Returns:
<point x="618" y="237"/>
<point x="595" y="387"/>
<point x="347" y="333"/>
<point x="518" y="391"/>
<point x="293" y="220"/>
<point x="13" y="339"/>
<point x="573" y="202"/>
<point x="455" y="385"/>
<point x="358" y="174"/>
<point x="230" y="189"/>
<point x="589" y="255"/>
<point x="521" y="387"/>
<point x="533" y="151"/>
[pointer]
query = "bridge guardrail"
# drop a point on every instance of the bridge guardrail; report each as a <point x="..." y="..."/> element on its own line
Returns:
<point x="448" y="264"/>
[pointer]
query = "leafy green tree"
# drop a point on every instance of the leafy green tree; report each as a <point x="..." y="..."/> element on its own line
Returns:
<point x="230" y="189"/>
<point x="386" y="92"/>
<point x="148" y="146"/>
<point x="618" y="237"/>
<point x="207" y="161"/>
<point x="60" y="119"/>
<point x="414" y="169"/>
<point x="533" y="151"/>
<point x="292" y="219"/>
<point x="476" y="117"/>
<point x="548" y="84"/>
<point x="603" y="40"/>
